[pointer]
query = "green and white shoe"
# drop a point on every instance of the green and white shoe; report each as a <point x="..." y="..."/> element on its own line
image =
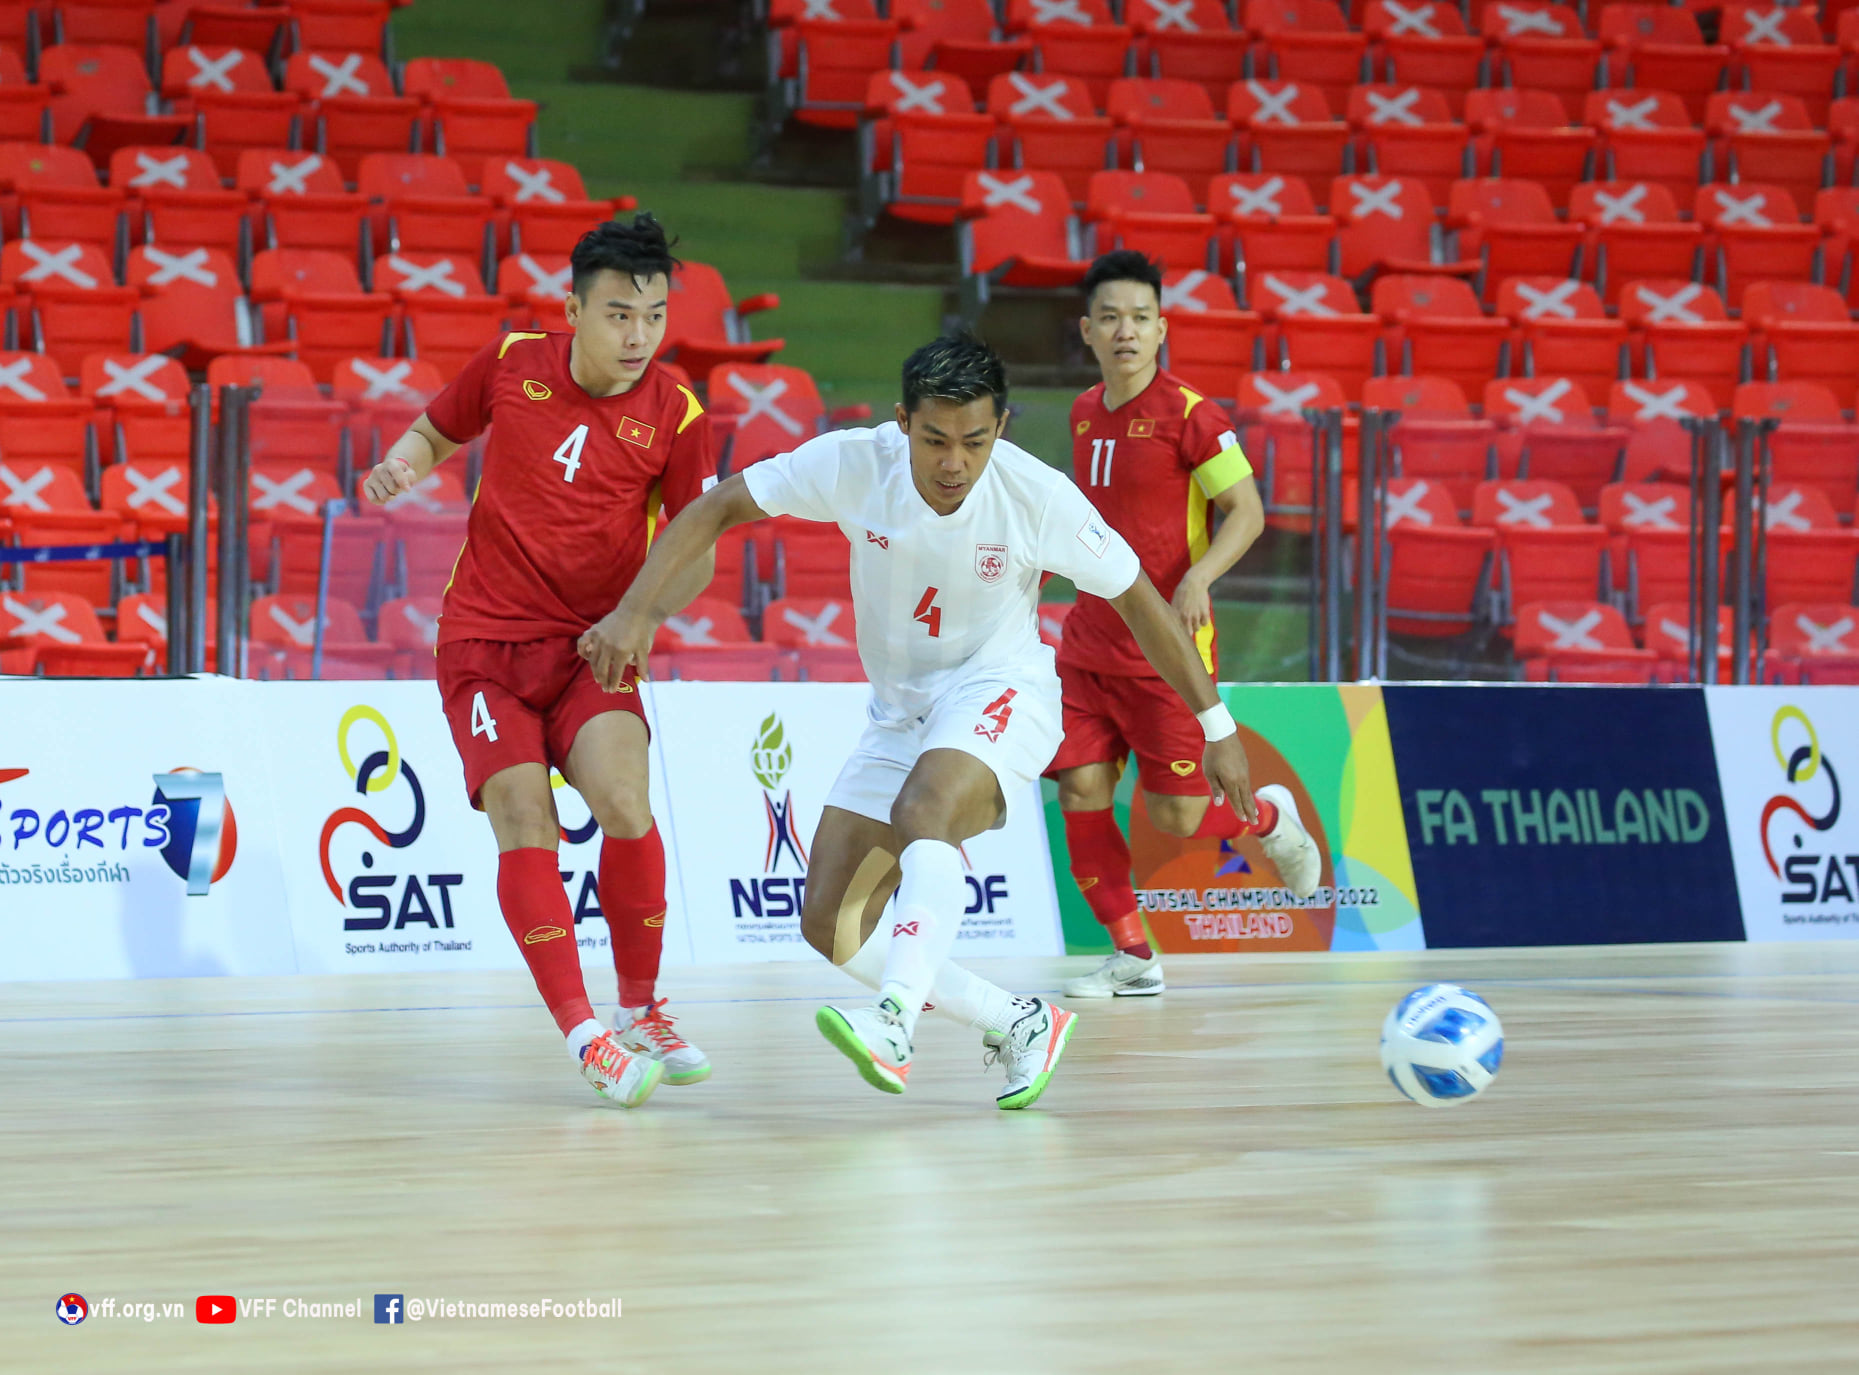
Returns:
<point x="1030" y="1051"/>
<point x="873" y="1039"/>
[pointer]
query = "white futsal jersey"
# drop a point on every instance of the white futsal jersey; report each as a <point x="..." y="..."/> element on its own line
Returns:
<point x="941" y="600"/>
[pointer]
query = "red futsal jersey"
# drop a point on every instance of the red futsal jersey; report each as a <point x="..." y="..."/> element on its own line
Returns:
<point x="1150" y="467"/>
<point x="571" y="488"/>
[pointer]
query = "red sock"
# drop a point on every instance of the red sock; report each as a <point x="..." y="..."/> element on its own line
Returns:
<point x="1101" y="864"/>
<point x="632" y="894"/>
<point x="535" y="908"/>
<point x="1222" y="821"/>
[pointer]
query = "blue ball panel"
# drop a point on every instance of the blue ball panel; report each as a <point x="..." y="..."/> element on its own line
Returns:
<point x="1443" y="1083"/>
<point x="1492" y="1058"/>
<point x="1451" y="1026"/>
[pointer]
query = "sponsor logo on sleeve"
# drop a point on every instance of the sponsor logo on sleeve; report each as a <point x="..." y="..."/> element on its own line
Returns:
<point x="1095" y="536"/>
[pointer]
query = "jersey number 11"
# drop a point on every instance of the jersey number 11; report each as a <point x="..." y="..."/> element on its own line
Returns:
<point x="1103" y="450"/>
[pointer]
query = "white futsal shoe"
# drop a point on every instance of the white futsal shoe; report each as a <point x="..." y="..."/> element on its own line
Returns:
<point x="872" y="1038"/>
<point x="1123" y="975"/>
<point x="1289" y="846"/>
<point x="1029" y="1050"/>
<point x="648" y="1031"/>
<point x="624" y="1078"/>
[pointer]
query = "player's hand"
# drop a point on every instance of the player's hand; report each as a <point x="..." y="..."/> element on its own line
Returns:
<point x="1193" y="603"/>
<point x="388" y="479"/>
<point x="616" y="642"/>
<point x="1224" y="763"/>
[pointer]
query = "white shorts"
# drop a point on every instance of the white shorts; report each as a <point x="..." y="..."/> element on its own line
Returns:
<point x="1011" y="724"/>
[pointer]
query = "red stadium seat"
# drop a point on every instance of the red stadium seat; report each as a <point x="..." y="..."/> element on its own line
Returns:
<point x="1816" y="642"/>
<point x="472" y="115"/>
<point x="425" y="550"/>
<point x="356" y="109"/>
<point x="1542" y="47"/>
<point x="811" y="561"/>
<point x="1438" y="329"/>
<point x="1813" y="443"/>
<point x="405" y="276"/>
<point x="538" y="281"/>
<point x="1192" y="42"/>
<point x="1317" y="326"/>
<point x="730" y="664"/>
<point x="1017" y="230"/>
<point x="705" y="328"/>
<point x="279" y="272"/>
<point x="1306" y="41"/>
<point x="100" y="100"/>
<point x="1566" y="641"/>
<point x="447" y="332"/>
<point x="1409" y="131"/>
<point x="1052" y="126"/>
<point x="1782" y="50"/>
<point x="920" y="137"/>
<point x="70" y="323"/>
<point x="1271" y="222"/>
<point x="342" y="25"/>
<point x="1548" y="553"/>
<point x="810" y="622"/>
<point x="62" y="635"/>
<point x="1804" y="333"/>
<point x="193" y="68"/>
<point x="704" y="624"/>
<point x="1172" y="127"/>
<point x="1564" y="331"/>
<point x="1810" y="565"/>
<point x="1634" y="231"/>
<point x="957" y="37"/>
<point x="261" y="30"/>
<point x="1770" y="138"/>
<point x="327" y="328"/>
<point x="1452" y="452"/>
<point x="833" y="61"/>
<point x="1426" y="44"/>
<point x="1438" y="573"/>
<point x="192" y="303"/>
<point x="773" y="409"/>
<point x="1388" y="223"/>
<point x="285" y="628"/>
<point x="1531" y="135"/>
<point x="411" y="626"/>
<point x="230" y="124"/>
<point x="1511" y="229"/>
<point x="1687" y="334"/>
<point x="1757" y="235"/>
<point x="1212" y="344"/>
<point x="1152" y="213"/>
<point x="1659" y="48"/>
<point x="1270" y="408"/>
<point x="1288" y="128"/>
<point x="1650" y="136"/>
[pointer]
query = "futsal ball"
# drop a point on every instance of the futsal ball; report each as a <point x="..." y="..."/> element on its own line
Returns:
<point x="1442" y="1045"/>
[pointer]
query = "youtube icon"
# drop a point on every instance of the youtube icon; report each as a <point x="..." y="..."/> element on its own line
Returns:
<point x="216" y="1308"/>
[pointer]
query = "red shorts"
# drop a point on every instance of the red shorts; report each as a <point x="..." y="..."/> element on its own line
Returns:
<point x="1106" y="717"/>
<point x="520" y="703"/>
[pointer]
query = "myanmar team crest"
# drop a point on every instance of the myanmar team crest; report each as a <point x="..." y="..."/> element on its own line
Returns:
<point x="990" y="561"/>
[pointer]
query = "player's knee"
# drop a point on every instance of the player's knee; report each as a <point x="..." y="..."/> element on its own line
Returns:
<point x="817" y="924"/>
<point x="523" y="824"/>
<point x="918" y="814"/>
<point x="1176" y="816"/>
<point x="621" y="810"/>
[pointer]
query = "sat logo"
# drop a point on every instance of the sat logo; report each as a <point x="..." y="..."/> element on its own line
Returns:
<point x="391" y="900"/>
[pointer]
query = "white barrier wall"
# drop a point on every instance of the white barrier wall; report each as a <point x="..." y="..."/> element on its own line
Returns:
<point x="347" y="843"/>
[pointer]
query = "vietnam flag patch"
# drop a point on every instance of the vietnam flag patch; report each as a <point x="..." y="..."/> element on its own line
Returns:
<point x="636" y="432"/>
<point x="1142" y="429"/>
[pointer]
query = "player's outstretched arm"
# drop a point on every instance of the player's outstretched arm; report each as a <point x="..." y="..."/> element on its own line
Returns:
<point x="1165" y="644"/>
<point x="623" y="637"/>
<point x="1243" y="519"/>
<point x="408" y="462"/>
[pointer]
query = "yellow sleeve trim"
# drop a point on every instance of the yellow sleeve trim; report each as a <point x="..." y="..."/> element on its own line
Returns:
<point x="1221" y="471"/>
<point x="515" y="337"/>
<point x="692" y="409"/>
<point x="1193" y="399"/>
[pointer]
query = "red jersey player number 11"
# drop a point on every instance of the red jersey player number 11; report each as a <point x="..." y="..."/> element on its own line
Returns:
<point x="592" y="445"/>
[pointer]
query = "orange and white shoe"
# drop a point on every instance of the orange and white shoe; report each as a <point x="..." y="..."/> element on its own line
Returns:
<point x="648" y="1031"/>
<point x="872" y="1038"/>
<point x="1030" y="1051"/>
<point x="616" y="1074"/>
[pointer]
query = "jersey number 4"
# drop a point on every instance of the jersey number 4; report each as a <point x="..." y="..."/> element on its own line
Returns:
<point x="929" y="613"/>
<point x="482" y="722"/>
<point x="1102" y="451"/>
<point x="569" y="455"/>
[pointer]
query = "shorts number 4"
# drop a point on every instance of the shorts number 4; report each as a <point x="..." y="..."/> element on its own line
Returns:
<point x="996" y="714"/>
<point x="482" y="722"/>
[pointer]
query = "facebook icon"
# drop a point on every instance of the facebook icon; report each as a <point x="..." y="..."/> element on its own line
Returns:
<point x="388" y="1308"/>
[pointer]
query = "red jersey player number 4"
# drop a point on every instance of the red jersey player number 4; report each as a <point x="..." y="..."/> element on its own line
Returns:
<point x="592" y="445"/>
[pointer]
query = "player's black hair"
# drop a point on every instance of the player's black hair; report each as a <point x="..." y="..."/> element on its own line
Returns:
<point x="957" y="367"/>
<point x="1124" y="265"/>
<point x="638" y="250"/>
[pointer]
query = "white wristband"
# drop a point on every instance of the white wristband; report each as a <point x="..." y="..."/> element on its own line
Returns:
<point x="1216" y="722"/>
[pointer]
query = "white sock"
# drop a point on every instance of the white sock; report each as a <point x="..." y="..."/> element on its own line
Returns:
<point x="957" y="994"/>
<point x="929" y="912"/>
<point x="580" y="1037"/>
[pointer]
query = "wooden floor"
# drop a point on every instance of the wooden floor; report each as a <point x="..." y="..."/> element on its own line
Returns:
<point x="1665" y="1177"/>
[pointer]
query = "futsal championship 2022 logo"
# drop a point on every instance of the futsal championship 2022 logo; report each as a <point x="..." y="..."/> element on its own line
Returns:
<point x="388" y="899"/>
<point x="773" y="896"/>
<point x="188" y="821"/>
<point x="1808" y="860"/>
